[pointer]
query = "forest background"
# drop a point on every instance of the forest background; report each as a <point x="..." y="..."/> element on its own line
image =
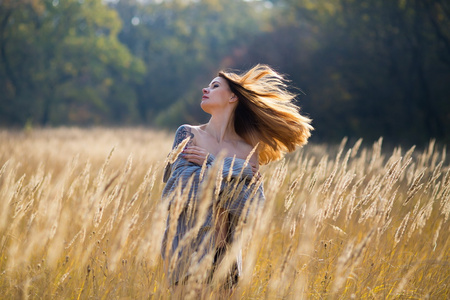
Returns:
<point x="362" y="68"/>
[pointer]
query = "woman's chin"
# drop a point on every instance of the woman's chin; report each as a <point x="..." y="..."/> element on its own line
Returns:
<point x="205" y="106"/>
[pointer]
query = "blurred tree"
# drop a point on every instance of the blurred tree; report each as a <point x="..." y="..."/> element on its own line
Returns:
<point x="61" y="62"/>
<point x="368" y="67"/>
<point x="183" y="44"/>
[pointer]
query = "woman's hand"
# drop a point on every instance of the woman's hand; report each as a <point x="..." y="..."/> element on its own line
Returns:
<point x="195" y="154"/>
<point x="255" y="170"/>
<point x="198" y="155"/>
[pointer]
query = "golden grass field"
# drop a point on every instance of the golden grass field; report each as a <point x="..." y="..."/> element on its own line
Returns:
<point x="81" y="218"/>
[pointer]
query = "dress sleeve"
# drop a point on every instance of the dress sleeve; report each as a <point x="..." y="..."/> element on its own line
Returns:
<point x="183" y="132"/>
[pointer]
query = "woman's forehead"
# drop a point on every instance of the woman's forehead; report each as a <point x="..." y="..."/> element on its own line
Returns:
<point x="219" y="80"/>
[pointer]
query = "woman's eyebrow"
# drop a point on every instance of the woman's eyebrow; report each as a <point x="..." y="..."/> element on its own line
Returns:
<point x="215" y="81"/>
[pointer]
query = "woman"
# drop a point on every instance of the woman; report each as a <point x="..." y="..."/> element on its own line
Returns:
<point x="253" y="121"/>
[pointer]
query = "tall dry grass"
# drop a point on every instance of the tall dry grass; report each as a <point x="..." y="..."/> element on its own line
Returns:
<point x="81" y="217"/>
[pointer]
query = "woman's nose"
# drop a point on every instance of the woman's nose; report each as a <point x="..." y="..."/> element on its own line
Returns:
<point x="205" y="90"/>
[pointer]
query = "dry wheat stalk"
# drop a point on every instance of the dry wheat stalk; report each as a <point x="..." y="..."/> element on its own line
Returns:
<point x="350" y="258"/>
<point x="326" y="185"/>
<point x="376" y="155"/>
<point x="55" y="202"/>
<point x="415" y="187"/>
<point x="436" y="235"/>
<point x="401" y="229"/>
<point x="356" y="147"/>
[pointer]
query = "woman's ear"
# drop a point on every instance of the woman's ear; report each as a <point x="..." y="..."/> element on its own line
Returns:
<point x="233" y="98"/>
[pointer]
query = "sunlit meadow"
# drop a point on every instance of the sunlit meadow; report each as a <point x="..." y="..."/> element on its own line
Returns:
<point x="81" y="217"/>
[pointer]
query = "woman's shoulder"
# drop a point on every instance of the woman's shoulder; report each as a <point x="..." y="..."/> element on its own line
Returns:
<point x="244" y="149"/>
<point x="185" y="127"/>
<point x="243" y="145"/>
<point x="183" y="132"/>
<point x="188" y="128"/>
<point x="191" y="131"/>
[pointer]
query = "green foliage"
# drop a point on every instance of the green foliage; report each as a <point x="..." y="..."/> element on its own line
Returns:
<point x="60" y="64"/>
<point x="368" y="68"/>
<point x="183" y="43"/>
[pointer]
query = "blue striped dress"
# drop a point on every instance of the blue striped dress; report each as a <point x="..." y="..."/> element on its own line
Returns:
<point x="233" y="189"/>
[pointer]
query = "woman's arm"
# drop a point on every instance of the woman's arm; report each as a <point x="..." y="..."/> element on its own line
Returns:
<point x="183" y="132"/>
<point x="233" y="167"/>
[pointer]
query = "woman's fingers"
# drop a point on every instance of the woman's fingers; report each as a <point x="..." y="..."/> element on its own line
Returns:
<point x="255" y="168"/>
<point x="195" y="154"/>
<point x="194" y="150"/>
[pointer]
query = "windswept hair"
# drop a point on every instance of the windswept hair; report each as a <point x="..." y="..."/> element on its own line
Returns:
<point x="266" y="114"/>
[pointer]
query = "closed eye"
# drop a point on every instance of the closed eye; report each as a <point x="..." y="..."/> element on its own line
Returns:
<point x="214" y="84"/>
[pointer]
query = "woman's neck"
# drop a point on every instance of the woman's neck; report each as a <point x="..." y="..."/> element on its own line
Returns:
<point x="221" y="128"/>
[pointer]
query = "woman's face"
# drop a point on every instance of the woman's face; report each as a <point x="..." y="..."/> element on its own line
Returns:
<point x="217" y="95"/>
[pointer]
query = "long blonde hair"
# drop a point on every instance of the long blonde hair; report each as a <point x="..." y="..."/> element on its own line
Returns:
<point x="266" y="114"/>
